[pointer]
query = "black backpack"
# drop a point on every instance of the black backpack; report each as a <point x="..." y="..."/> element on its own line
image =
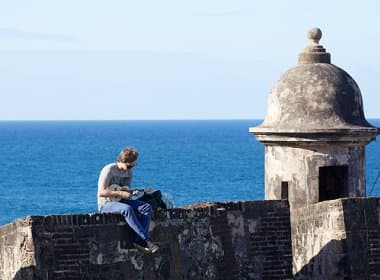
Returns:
<point x="154" y="198"/>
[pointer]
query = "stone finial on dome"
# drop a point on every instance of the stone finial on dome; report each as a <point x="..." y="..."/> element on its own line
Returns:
<point x="314" y="52"/>
<point x="314" y="35"/>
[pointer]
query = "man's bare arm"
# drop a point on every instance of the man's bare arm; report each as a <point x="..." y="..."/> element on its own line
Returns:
<point x="106" y="192"/>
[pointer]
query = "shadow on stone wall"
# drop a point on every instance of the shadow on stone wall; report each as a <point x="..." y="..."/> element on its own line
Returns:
<point x="329" y="263"/>
<point x="25" y="273"/>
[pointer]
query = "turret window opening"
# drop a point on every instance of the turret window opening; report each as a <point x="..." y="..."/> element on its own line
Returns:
<point x="333" y="181"/>
<point x="284" y="190"/>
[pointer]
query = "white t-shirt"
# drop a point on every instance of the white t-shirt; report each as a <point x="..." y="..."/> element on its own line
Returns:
<point x="110" y="175"/>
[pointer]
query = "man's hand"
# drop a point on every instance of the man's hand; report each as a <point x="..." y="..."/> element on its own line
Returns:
<point x="125" y="195"/>
<point x="135" y="192"/>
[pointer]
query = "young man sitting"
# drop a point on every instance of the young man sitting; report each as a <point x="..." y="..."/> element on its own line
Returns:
<point x="121" y="202"/>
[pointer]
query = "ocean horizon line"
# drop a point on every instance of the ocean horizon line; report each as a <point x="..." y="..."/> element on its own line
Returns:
<point x="142" y="120"/>
<point x="132" y="120"/>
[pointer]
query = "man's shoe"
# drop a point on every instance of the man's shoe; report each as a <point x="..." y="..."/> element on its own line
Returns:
<point x="146" y="246"/>
<point x="152" y="247"/>
<point x="141" y="247"/>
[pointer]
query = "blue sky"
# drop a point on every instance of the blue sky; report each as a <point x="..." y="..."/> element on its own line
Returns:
<point x="171" y="59"/>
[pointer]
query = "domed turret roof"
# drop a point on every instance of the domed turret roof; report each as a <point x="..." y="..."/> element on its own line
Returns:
<point x="315" y="96"/>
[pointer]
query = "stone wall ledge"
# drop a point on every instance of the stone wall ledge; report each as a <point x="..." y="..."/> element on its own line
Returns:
<point x="204" y="209"/>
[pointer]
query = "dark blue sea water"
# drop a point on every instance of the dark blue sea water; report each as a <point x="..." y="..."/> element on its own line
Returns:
<point x="52" y="167"/>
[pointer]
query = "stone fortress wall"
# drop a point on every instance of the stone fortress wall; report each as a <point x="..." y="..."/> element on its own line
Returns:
<point x="336" y="239"/>
<point x="237" y="240"/>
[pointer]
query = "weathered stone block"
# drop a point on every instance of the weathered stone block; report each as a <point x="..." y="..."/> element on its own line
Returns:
<point x="333" y="239"/>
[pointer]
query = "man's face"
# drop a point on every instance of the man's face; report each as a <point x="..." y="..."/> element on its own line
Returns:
<point x="124" y="166"/>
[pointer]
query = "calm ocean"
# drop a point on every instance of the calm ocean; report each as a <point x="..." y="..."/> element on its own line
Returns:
<point x="52" y="167"/>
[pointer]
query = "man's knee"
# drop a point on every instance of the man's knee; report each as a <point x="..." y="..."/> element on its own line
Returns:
<point x="146" y="208"/>
<point x="149" y="207"/>
<point x="126" y="210"/>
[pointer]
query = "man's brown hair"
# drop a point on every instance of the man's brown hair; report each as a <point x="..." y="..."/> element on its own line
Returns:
<point x="128" y="155"/>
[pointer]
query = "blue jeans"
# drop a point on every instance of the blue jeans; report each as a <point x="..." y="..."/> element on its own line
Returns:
<point x="127" y="208"/>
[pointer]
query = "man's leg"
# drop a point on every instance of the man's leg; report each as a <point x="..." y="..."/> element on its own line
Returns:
<point x="128" y="213"/>
<point x="144" y="209"/>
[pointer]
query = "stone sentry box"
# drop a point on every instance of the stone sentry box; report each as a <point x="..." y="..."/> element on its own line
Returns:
<point x="315" y="132"/>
